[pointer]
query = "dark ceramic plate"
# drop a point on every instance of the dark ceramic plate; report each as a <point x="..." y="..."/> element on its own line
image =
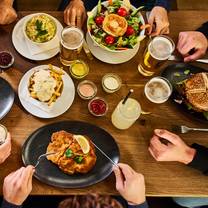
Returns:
<point x="6" y="97"/>
<point x="177" y="73"/>
<point x="49" y="173"/>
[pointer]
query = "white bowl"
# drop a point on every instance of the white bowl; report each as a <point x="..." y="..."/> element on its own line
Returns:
<point x="94" y="12"/>
<point x="25" y="24"/>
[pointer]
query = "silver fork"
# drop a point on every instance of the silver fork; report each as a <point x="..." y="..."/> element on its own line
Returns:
<point x="176" y="58"/>
<point x="42" y="156"/>
<point x="185" y="129"/>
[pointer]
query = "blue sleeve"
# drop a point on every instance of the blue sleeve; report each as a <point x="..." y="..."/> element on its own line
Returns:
<point x="6" y="204"/>
<point x="204" y="29"/>
<point x="163" y="3"/>
<point x="143" y="205"/>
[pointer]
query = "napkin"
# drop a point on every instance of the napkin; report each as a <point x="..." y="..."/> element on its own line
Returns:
<point x="35" y="49"/>
<point x="25" y="95"/>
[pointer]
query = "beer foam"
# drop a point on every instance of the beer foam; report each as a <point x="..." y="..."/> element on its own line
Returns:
<point x="157" y="90"/>
<point x="72" y="38"/>
<point x="161" y="48"/>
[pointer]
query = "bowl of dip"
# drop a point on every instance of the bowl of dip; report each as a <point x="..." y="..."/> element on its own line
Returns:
<point x="86" y="89"/>
<point x="6" y="59"/>
<point x="3" y="134"/>
<point x="111" y="83"/>
<point x="98" y="106"/>
<point x="79" y="69"/>
<point x="40" y="28"/>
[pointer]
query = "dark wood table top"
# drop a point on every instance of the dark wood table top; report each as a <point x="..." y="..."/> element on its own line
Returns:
<point x="162" y="179"/>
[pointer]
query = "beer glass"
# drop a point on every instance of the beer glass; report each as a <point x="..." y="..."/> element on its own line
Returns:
<point x="157" y="51"/>
<point x="70" y="45"/>
<point x="126" y="114"/>
<point x="158" y="90"/>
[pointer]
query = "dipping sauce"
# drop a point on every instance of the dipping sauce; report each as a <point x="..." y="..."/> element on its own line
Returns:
<point x="6" y="59"/>
<point x="79" y="69"/>
<point x="98" y="106"/>
<point x="86" y="89"/>
<point x="111" y="83"/>
<point x="3" y="134"/>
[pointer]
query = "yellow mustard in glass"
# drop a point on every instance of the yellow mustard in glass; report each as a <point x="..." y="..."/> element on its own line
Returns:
<point x="79" y="69"/>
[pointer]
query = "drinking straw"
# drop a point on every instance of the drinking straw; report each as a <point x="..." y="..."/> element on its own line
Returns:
<point x="127" y="96"/>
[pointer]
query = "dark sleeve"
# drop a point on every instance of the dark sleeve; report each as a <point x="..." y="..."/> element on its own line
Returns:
<point x="6" y="204"/>
<point x="200" y="161"/>
<point x="204" y="29"/>
<point x="143" y="205"/>
<point x="163" y="3"/>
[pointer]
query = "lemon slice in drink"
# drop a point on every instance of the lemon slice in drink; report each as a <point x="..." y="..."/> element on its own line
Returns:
<point x="83" y="142"/>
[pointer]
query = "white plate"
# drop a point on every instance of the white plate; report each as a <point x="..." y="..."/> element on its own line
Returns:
<point x="61" y="105"/>
<point x="20" y="44"/>
<point x="110" y="57"/>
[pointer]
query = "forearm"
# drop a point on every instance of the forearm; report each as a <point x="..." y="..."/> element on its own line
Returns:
<point x="204" y="29"/>
<point x="143" y="205"/>
<point x="200" y="160"/>
<point x="163" y="3"/>
<point x="6" y="204"/>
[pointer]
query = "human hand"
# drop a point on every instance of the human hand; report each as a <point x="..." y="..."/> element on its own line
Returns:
<point x="175" y="150"/>
<point x="192" y="40"/>
<point x="130" y="184"/>
<point x="5" y="149"/>
<point x="75" y="13"/>
<point x="7" y="13"/>
<point x="18" y="185"/>
<point x="159" y="16"/>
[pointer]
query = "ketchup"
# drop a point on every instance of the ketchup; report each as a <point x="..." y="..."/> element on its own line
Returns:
<point x="98" y="107"/>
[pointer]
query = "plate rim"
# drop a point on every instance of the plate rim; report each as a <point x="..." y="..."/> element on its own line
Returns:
<point x="60" y="186"/>
<point x="49" y="117"/>
<point x="13" y="97"/>
<point x="31" y="57"/>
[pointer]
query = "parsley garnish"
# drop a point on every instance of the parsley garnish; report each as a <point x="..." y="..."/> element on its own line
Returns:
<point x="78" y="159"/>
<point x="69" y="153"/>
<point x="39" y="29"/>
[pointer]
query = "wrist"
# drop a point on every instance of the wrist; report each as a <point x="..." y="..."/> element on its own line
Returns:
<point x="136" y="202"/>
<point x="189" y="155"/>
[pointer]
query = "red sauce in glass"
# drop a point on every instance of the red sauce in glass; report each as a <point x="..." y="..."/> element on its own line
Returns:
<point x="98" y="107"/>
<point x="5" y="59"/>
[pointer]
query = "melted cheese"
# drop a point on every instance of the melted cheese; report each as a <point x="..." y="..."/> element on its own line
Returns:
<point x="44" y="85"/>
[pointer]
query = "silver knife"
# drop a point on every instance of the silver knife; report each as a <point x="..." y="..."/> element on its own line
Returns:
<point x="175" y="58"/>
<point x="105" y="154"/>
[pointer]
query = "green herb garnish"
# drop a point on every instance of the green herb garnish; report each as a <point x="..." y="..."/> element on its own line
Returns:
<point x="69" y="153"/>
<point x="176" y="74"/>
<point x="78" y="159"/>
<point x="39" y="29"/>
<point x="186" y="72"/>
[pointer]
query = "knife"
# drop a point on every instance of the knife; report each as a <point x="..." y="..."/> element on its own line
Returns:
<point x="105" y="155"/>
<point x="176" y="58"/>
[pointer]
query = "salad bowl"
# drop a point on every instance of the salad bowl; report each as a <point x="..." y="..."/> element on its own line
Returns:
<point x="126" y="14"/>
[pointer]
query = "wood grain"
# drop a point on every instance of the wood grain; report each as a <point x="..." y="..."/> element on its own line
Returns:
<point x="162" y="179"/>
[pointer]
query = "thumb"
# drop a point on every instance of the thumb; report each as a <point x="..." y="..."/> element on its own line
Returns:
<point x="162" y="133"/>
<point x="194" y="56"/>
<point x="119" y="179"/>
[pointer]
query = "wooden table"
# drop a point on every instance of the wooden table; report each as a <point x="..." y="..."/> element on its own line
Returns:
<point x="162" y="179"/>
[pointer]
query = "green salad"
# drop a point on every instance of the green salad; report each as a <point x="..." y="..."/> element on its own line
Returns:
<point x="129" y="15"/>
<point x="40" y="28"/>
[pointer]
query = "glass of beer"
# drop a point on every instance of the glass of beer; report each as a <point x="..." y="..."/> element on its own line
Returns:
<point x="158" y="90"/>
<point x="70" y="45"/>
<point x="126" y="114"/>
<point x="158" y="50"/>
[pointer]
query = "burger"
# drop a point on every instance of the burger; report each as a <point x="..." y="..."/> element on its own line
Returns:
<point x="194" y="93"/>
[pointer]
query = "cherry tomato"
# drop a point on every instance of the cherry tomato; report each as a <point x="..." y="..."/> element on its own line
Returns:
<point x="130" y="31"/>
<point x="99" y="20"/>
<point x="109" y="39"/>
<point x="122" y="12"/>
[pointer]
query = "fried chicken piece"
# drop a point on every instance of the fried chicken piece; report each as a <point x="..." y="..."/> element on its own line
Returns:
<point x="60" y="142"/>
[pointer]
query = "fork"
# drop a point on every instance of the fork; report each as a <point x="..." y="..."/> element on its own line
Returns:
<point x="42" y="156"/>
<point x="176" y="58"/>
<point x="184" y="129"/>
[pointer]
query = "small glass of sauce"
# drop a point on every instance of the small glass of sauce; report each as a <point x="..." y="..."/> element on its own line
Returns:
<point x="3" y="134"/>
<point x="6" y="59"/>
<point x="79" y="69"/>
